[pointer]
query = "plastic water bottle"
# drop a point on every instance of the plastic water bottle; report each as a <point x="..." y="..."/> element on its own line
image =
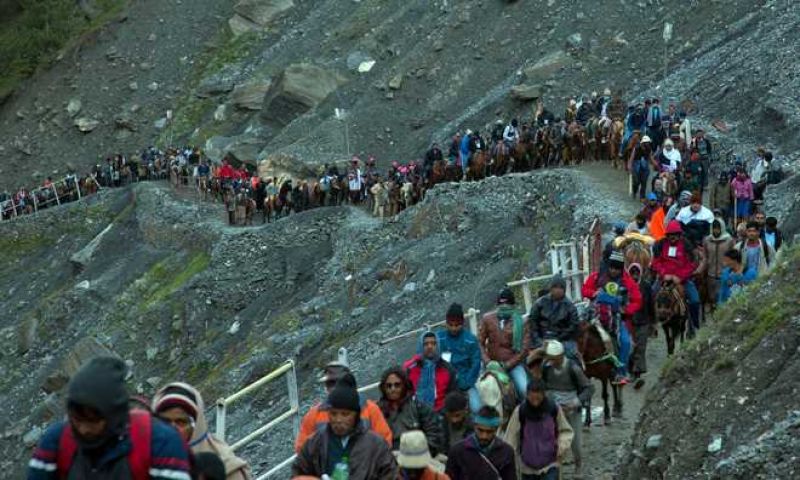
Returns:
<point x="342" y="470"/>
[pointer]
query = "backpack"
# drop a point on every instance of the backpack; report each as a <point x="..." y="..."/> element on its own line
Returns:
<point x="140" y="430"/>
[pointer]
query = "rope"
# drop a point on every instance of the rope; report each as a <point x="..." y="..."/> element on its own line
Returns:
<point x="607" y="357"/>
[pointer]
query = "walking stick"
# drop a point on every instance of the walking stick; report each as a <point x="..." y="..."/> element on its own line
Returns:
<point x="735" y="212"/>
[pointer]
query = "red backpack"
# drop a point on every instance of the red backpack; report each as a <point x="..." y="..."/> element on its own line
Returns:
<point x="140" y="430"/>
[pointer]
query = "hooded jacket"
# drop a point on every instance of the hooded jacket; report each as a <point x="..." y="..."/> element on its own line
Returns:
<point x="444" y="375"/>
<point x="317" y="420"/>
<point x="369" y="456"/>
<point x="410" y="414"/>
<point x="465" y="356"/>
<point x="202" y="440"/>
<point x="597" y="280"/>
<point x="550" y="417"/>
<point x="716" y="247"/>
<point x="100" y="385"/>
<point x="559" y="319"/>
<point x="681" y="264"/>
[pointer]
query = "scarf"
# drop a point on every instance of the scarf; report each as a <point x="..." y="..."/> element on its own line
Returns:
<point x="506" y="312"/>
<point x="426" y="388"/>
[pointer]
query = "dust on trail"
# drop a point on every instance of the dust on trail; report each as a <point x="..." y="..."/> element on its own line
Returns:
<point x="603" y="445"/>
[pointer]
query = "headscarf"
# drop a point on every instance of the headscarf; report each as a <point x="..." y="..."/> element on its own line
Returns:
<point x="508" y="312"/>
<point x="426" y="387"/>
<point x="177" y="393"/>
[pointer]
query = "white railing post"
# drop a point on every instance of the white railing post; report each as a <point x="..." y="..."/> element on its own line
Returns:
<point x="577" y="280"/>
<point x="294" y="399"/>
<point x="554" y="259"/>
<point x="220" y="430"/>
<point x="472" y="314"/>
<point x="77" y="187"/>
<point x="35" y="203"/>
<point x="55" y="191"/>
<point x="563" y="261"/>
<point x="527" y="296"/>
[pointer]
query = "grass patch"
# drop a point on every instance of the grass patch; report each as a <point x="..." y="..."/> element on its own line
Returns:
<point x="165" y="278"/>
<point x="33" y="37"/>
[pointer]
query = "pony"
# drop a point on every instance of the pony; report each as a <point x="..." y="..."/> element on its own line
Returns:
<point x="598" y="364"/>
<point x="671" y="311"/>
<point x="633" y="142"/>
<point x="576" y="144"/>
<point x="496" y="389"/>
<point x="477" y="167"/>
<point x="437" y="174"/>
<point x="500" y="158"/>
<point x="636" y="248"/>
<point x="615" y="141"/>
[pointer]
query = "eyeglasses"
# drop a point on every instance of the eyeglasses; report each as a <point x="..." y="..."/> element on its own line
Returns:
<point x="393" y="386"/>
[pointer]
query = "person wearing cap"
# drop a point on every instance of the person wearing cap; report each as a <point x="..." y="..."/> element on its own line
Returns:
<point x="456" y="419"/>
<point x="482" y="455"/>
<point x="568" y="387"/>
<point x="599" y="287"/>
<point x="102" y="439"/>
<point x="318" y="417"/>
<point x="460" y="348"/>
<point x="684" y="199"/>
<point x="539" y="434"/>
<point x="650" y="206"/>
<point x="464" y="150"/>
<point x="639" y="166"/>
<point x="431" y="375"/>
<point x="345" y="447"/>
<point x="721" y="196"/>
<point x="414" y="458"/>
<point x="404" y="412"/>
<point x="553" y="317"/>
<point x="674" y="261"/>
<point x="618" y="229"/>
<point x="504" y="337"/>
<point x="182" y="406"/>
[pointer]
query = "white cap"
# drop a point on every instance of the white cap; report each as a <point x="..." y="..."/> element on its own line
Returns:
<point x="554" y="348"/>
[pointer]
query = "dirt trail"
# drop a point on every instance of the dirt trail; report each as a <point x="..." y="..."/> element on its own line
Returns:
<point x="604" y="445"/>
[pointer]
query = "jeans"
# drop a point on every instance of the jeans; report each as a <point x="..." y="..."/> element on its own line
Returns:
<point x="551" y="474"/>
<point x="475" y="403"/>
<point x="465" y="162"/>
<point x="519" y="376"/>
<point x="640" y="183"/>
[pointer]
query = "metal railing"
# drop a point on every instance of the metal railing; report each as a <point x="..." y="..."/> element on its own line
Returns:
<point x="566" y="262"/>
<point x="289" y="370"/>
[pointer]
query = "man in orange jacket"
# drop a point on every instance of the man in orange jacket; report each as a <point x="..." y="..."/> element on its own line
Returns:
<point x="317" y="417"/>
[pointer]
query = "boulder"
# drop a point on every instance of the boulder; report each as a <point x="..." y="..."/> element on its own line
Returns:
<point x="74" y="107"/>
<point x="396" y="82"/>
<point x="240" y="25"/>
<point x="86" y="349"/>
<point x="547" y="65"/>
<point x="250" y="96"/>
<point x="83" y="257"/>
<point x="216" y="147"/>
<point x="281" y="164"/>
<point x="213" y="86"/>
<point x="220" y="114"/>
<point x="299" y="88"/>
<point x="526" y="92"/>
<point x="86" y="124"/>
<point x="246" y="147"/>
<point x="262" y="12"/>
<point x="575" y="41"/>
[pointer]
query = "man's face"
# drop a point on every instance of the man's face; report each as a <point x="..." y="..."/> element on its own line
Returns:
<point x="695" y="207"/>
<point x="652" y="203"/>
<point x="413" y="473"/>
<point x="557" y="293"/>
<point x="455" y="327"/>
<point x="342" y="421"/>
<point x="429" y="346"/>
<point x="752" y="234"/>
<point x="456" y="419"/>
<point x="485" y="435"/>
<point x="87" y="424"/>
<point x="673" y="238"/>
<point x="760" y="218"/>
<point x="716" y="231"/>
<point x="614" y="271"/>
<point x="179" y="419"/>
<point x="535" y="398"/>
<point x="556" y="361"/>
<point x="393" y="388"/>
<point x="727" y="262"/>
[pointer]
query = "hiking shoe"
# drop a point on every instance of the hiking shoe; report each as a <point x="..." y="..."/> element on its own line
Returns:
<point x="621" y="380"/>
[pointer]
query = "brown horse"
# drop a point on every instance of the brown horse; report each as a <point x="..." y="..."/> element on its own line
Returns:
<point x="477" y="166"/>
<point x="671" y="313"/>
<point x="615" y="140"/>
<point x="633" y="142"/>
<point x="501" y="158"/>
<point x="598" y="365"/>
<point x="437" y="174"/>
<point x="576" y="144"/>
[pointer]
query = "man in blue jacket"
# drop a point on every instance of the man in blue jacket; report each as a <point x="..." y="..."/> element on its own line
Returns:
<point x="460" y="347"/>
<point x="102" y="440"/>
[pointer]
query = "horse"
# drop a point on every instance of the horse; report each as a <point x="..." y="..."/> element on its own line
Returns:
<point x="615" y="139"/>
<point x="576" y="143"/>
<point x="250" y="210"/>
<point x="636" y="249"/>
<point x="671" y="313"/>
<point x="633" y="142"/>
<point x="437" y="174"/>
<point x="598" y="365"/>
<point x="500" y="158"/>
<point x="477" y="166"/>
<point x="592" y="138"/>
<point x="497" y="393"/>
<point x="603" y="140"/>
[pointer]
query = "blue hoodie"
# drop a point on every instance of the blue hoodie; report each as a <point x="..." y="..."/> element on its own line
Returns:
<point x="465" y="356"/>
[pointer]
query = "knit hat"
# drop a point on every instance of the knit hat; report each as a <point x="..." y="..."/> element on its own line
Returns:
<point x="558" y="282"/>
<point x="455" y="401"/>
<point x="506" y="297"/>
<point x="414" y="452"/>
<point x="616" y="259"/>
<point x="100" y="385"/>
<point x="344" y="395"/>
<point x="686" y="195"/>
<point x="674" y="226"/>
<point x="176" y="396"/>
<point x="455" y="313"/>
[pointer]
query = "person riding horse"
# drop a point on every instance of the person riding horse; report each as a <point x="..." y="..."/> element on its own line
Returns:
<point x="554" y="317"/>
<point x="673" y="262"/>
<point x="615" y="294"/>
<point x="505" y="337"/>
